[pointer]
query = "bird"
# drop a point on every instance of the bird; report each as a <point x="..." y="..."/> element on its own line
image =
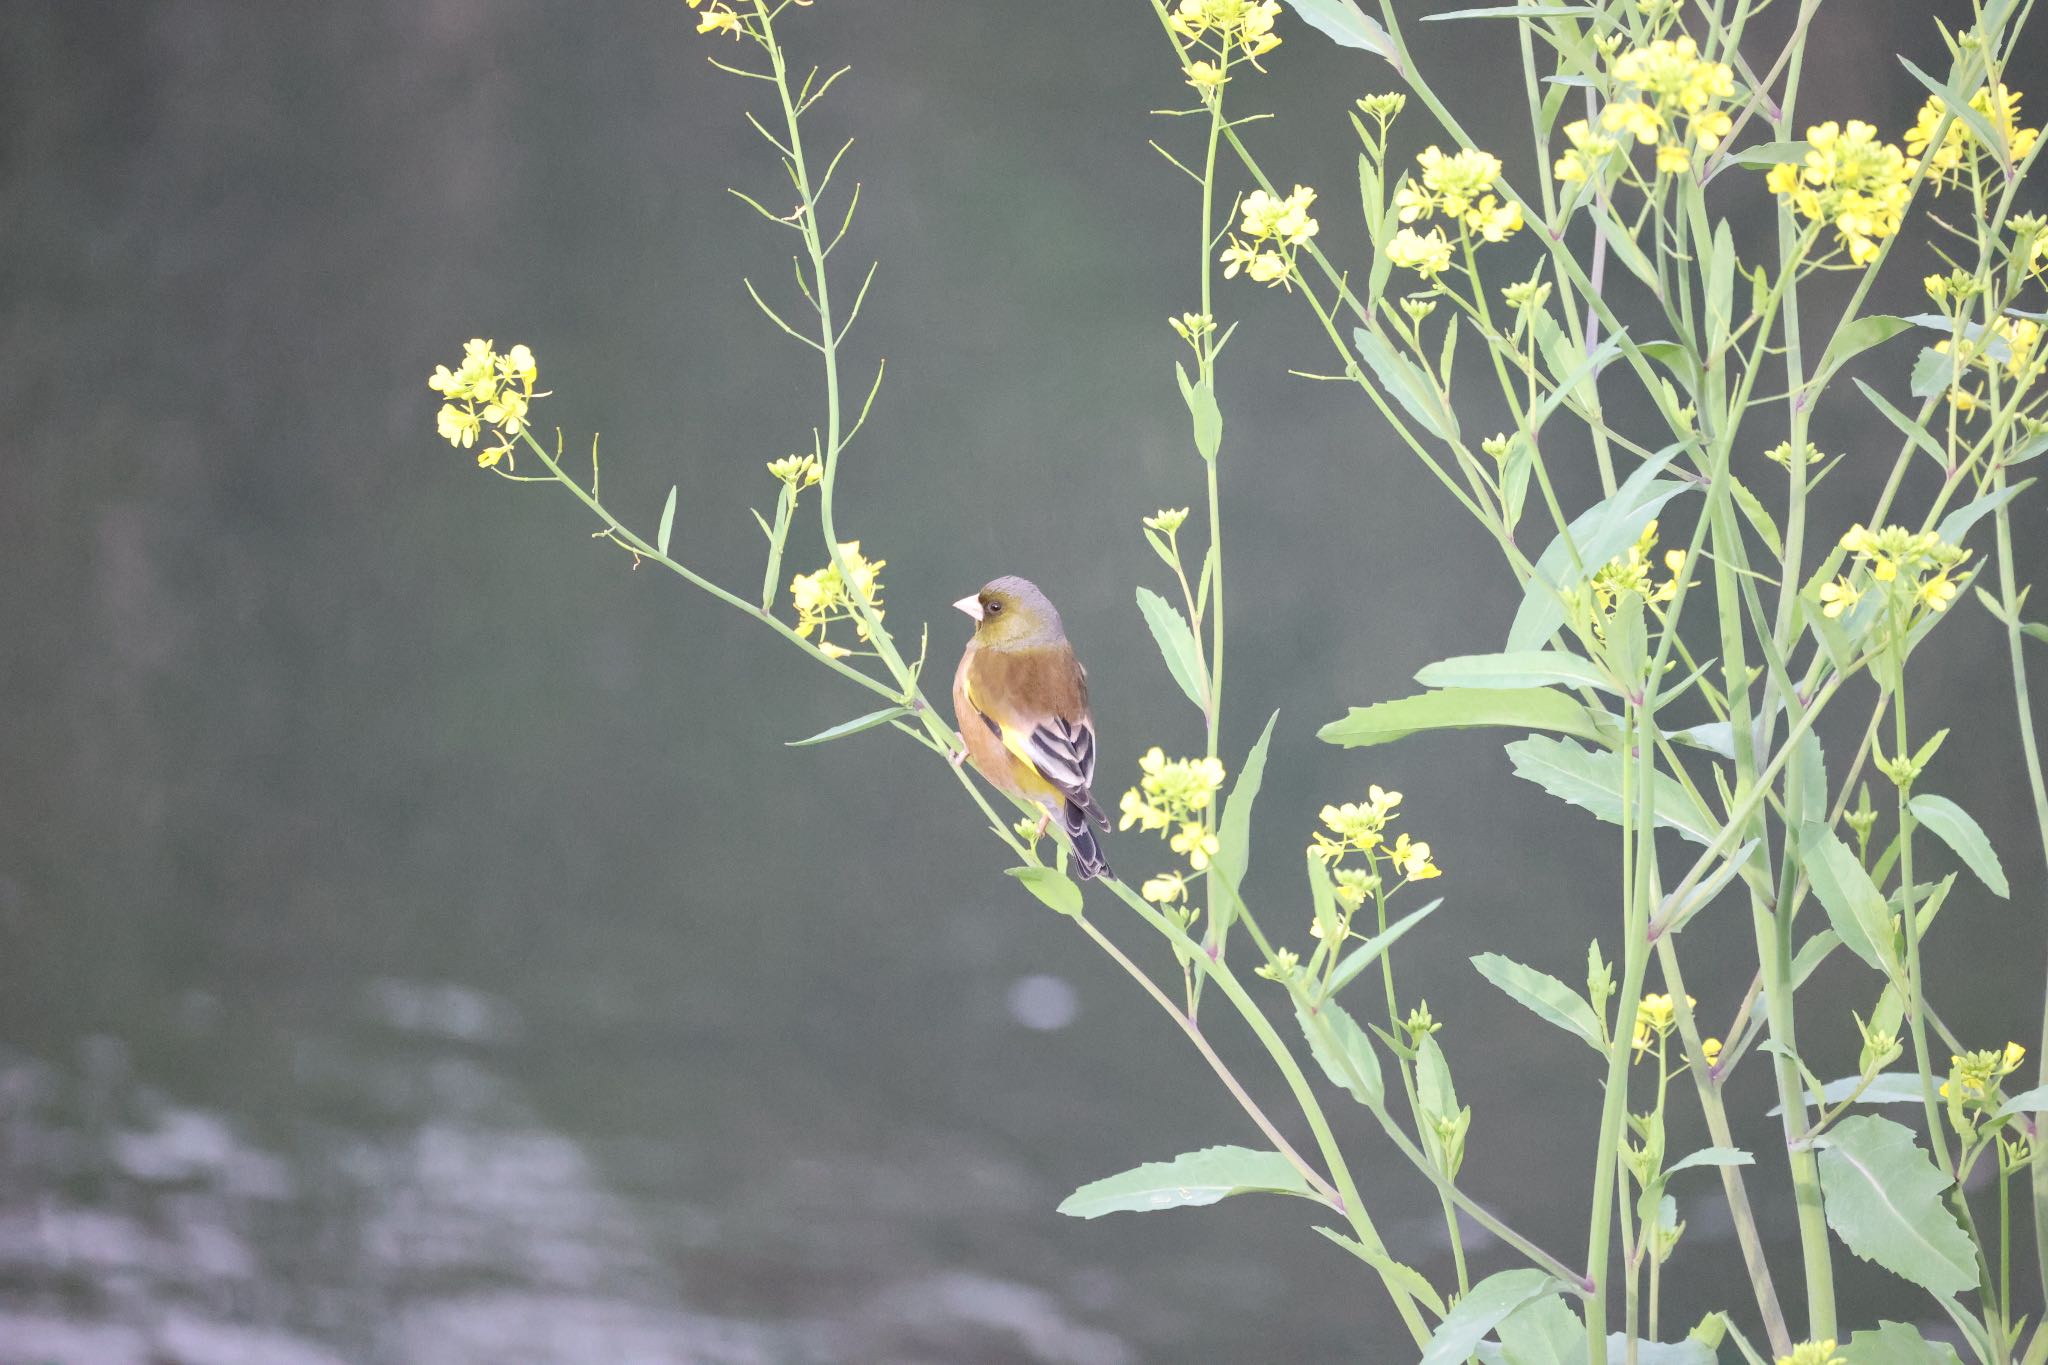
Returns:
<point x="1021" y="700"/>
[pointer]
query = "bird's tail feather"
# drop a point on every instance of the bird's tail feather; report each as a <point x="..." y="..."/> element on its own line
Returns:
<point x="1088" y="859"/>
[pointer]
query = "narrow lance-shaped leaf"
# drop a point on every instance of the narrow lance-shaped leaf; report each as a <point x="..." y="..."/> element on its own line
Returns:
<point x="1176" y="643"/>
<point x="1599" y="533"/>
<point x="1520" y="668"/>
<point x="1370" y="951"/>
<point x="1593" y="780"/>
<point x="1953" y="826"/>
<point x="1405" y="383"/>
<point x="1855" y="907"/>
<point x="668" y="522"/>
<point x="1883" y="1194"/>
<point x="1235" y="834"/>
<point x="1461" y="708"/>
<point x="1548" y="998"/>
<point x="1190" y="1179"/>
<point x="851" y="727"/>
<point x="1342" y="1049"/>
<point x="1346" y="24"/>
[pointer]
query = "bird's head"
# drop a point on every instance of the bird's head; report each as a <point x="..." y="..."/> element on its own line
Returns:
<point x="1011" y="613"/>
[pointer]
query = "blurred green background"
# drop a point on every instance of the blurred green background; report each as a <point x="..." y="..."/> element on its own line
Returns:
<point x="416" y="942"/>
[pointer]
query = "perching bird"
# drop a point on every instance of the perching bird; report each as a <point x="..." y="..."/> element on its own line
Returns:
<point x="1021" y="699"/>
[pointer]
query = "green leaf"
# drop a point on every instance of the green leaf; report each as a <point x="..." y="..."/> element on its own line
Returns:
<point x="1759" y="518"/>
<point x="1883" y="1199"/>
<point x="1542" y="1332"/>
<point x="1960" y="106"/>
<point x="1855" y="907"/>
<point x="1176" y="643"/>
<point x="1811" y="954"/>
<point x="1548" y="998"/>
<point x="1235" y="834"/>
<point x="1593" y="780"/>
<point x="1894" y="1343"/>
<point x="1957" y="524"/>
<point x="1910" y="429"/>
<point x="1343" y="1050"/>
<point x="1324" y="897"/>
<point x="1461" y="708"/>
<point x="1433" y="1088"/>
<point x="1717" y="737"/>
<point x="668" y="522"/>
<point x="1050" y="885"/>
<point x="1405" y="383"/>
<point x="1702" y="894"/>
<point x="1406" y="1276"/>
<point x="1201" y="401"/>
<point x="1523" y="668"/>
<point x="1369" y="952"/>
<point x="1517" y="12"/>
<point x="1933" y="371"/>
<point x="2026" y="1102"/>
<point x="1481" y="1310"/>
<point x="2035" y="629"/>
<point x="1190" y="1179"/>
<point x="1687" y="1352"/>
<point x="1765" y="155"/>
<point x="1712" y="1156"/>
<point x="1954" y="827"/>
<point x="1600" y="533"/>
<point x="1854" y="339"/>
<point x="1345" y="24"/>
<point x="1886" y="1087"/>
<point x="1721" y="283"/>
<point x="851" y="727"/>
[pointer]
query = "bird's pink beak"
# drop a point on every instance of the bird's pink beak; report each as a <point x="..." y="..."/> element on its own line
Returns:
<point x="971" y="604"/>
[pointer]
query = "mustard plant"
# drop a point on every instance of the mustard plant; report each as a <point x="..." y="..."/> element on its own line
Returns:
<point x="1609" y="267"/>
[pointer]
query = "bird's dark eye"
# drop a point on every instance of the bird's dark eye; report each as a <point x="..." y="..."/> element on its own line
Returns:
<point x="995" y="608"/>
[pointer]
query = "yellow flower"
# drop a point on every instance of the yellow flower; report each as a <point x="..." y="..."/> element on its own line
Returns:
<point x="1196" y="843"/>
<point x="1224" y="26"/>
<point x="1269" y="217"/>
<point x="1459" y="179"/>
<point x="1633" y="117"/>
<point x="1428" y="256"/>
<point x="1167" y="520"/>
<point x="2000" y="108"/>
<point x="1814" y="1353"/>
<point x="1838" y="597"/>
<point x="1656" y="1016"/>
<point x="1493" y="221"/>
<point x="1354" y="884"/>
<point x="1413" y="860"/>
<point x="1937" y="592"/>
<point x="798" y="471"/>
<point x="1205" y="75"/>
<point x="458" y="426"/>
<point x="718" y="19"/>
<point x="1172" y="790"/>
<point x="1589" y="151"/>
<point x="1851" y="181"/>
<point x="1712" y="1048"/>
<point x="1165" y="889"/>
<point x="823" y="596"/>
<point x="1673" y="159"/>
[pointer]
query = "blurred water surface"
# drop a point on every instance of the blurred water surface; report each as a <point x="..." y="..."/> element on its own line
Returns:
<point x="416" y="943"/>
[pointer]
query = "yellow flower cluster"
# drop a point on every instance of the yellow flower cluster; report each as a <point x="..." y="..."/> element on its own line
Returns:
<point x="1974" y="1076"/>
<point x="1920" y="561"/>
<point x="1814" y="1353"/>
<point x="798" y="471"/>
<point x="1274" y="229"/>
<point x="1361" y="827"/>
<point x="1176" y="794"/>
<point x="1666" y="96"/>
<point x="1224" y="31"/>
<point x="1656" y="1016"/>
<point x="487" y="389"/>
<point x="2011" y="348"/>
<point x="2000" y="107"/>
<point x="823" y="597"/>
<point x="1459" y="186"/>
<point x="718" y="17"/>
<point x="1851" y="181"/>
<point x="1630" y="572"/>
